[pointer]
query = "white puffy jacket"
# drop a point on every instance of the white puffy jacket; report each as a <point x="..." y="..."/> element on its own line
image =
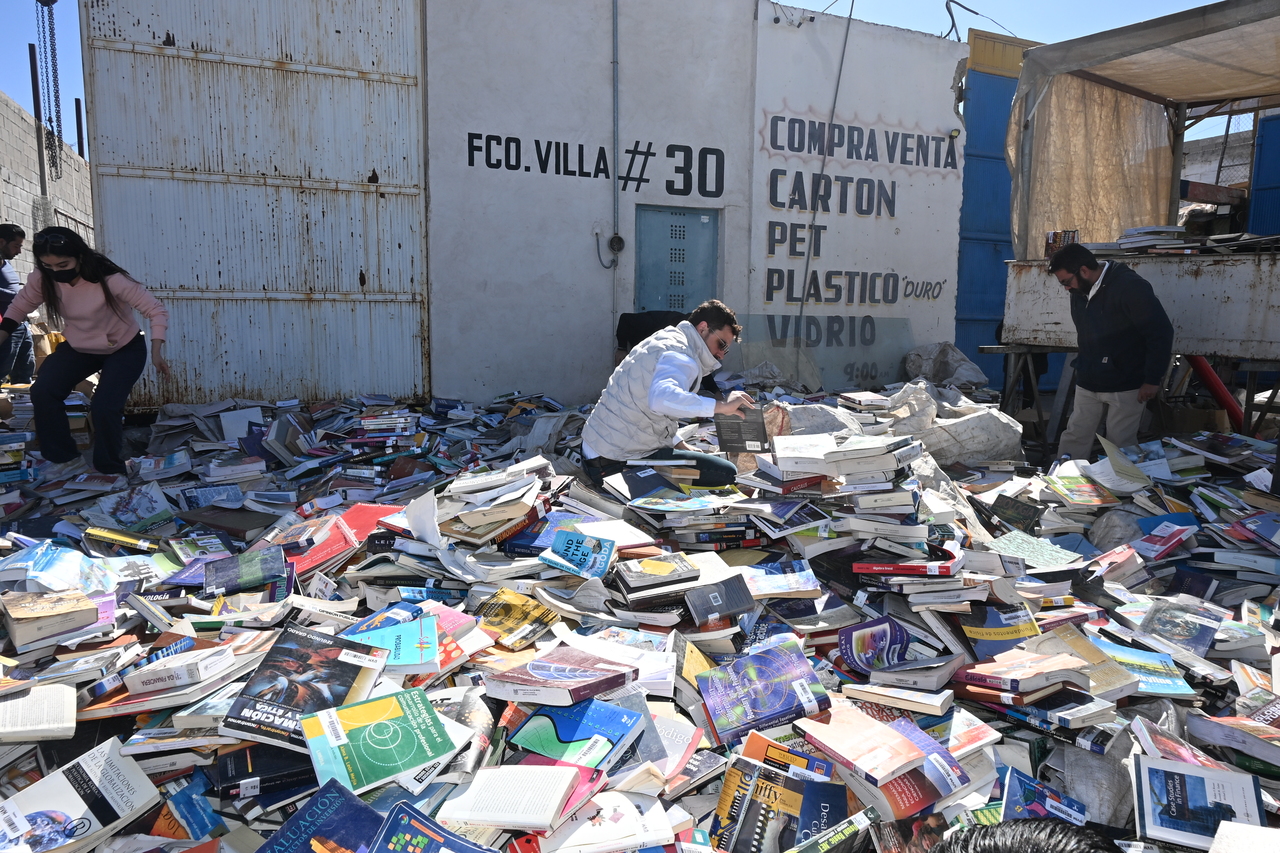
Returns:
<point x="622" y="425"/>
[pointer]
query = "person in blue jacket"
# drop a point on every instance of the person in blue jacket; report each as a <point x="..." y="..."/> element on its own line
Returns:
<point x="1125" y="341"/>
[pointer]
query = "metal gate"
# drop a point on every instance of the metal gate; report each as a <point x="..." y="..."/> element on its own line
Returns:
<point x="261" y="167"/>
<point x="677" y="254"/>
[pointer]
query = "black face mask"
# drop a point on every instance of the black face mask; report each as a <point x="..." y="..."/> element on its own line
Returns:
<point x="65" y="276"/>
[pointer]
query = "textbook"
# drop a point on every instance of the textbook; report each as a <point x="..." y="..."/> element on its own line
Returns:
<point x="1184" y="803"/>
<point x="591" y="733"/>
<point x="774" y="685"/>
<point x="562" y="676"/>
<point x="745" y="434"/>
<point x="863" y="744"/>
<point x="245" y="571"/>
<point x="366" y="744"/>
<point x="514" y="620"/>
<point x="874" y="645"/>
<point x="411" y="646"/>
<point x="995" y="628"/>
<point x="333" y="821"/>
<point x="80" y="805"/>
<point x="248" y="769"/>
<point x="408" y="829"/>
<point x="304" y="672"/>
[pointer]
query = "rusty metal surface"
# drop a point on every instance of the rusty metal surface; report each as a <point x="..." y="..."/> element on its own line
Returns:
<point x="261" y="167"/>
<point x="1226" y="305"/>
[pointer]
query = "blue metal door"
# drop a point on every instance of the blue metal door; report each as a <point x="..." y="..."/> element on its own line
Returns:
<point x="677" y="250"/>
<point x="985" y="242"/>
<point x="1264" y="198"/>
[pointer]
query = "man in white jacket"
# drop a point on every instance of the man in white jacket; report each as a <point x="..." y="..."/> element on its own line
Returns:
<point x="653" y="388"/>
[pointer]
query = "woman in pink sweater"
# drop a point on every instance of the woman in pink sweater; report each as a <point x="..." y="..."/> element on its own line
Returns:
<point x="93" y="299"/>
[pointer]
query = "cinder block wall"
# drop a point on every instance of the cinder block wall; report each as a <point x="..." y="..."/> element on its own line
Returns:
<point x="20" y="182"/>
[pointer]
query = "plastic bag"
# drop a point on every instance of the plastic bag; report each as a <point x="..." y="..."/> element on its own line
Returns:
<point x="943" y="364"/>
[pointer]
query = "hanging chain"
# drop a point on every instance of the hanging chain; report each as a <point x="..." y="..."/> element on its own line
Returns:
<point x="50" y="91"/>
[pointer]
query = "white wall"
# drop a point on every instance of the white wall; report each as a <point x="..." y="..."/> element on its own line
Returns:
<point x="518" y="298"/>
<point x="889" y="232"/>
<point x="20" y="182"/>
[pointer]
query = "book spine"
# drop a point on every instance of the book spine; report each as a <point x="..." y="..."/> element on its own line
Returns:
<point x="982" y="679"/>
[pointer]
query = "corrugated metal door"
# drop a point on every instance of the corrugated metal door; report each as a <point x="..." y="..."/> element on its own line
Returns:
<point x="261" y="167"/>
<point x="1264" y="199"/>
<point x="677" y="249"/>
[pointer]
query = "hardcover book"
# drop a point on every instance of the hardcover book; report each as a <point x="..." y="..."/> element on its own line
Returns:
<point x="304" y="672"/>
<point x="769" y="687"/>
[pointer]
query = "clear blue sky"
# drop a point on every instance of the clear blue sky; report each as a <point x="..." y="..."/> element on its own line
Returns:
<point x="1036" y="21"/>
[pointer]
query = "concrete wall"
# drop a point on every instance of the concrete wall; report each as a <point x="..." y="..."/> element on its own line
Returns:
<point x="519" y="300"/>
<point x="20" y="182"/>
<point x="1201" y="156"/>
<point x="857" y="191"/>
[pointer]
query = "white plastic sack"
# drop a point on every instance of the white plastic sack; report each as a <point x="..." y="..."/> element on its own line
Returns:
<point x="943" y="364"/>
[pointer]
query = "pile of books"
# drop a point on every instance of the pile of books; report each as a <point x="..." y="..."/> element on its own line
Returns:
<point x="361" y="624"/>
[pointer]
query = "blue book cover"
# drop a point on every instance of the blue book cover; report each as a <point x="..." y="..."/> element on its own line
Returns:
<point x="413" y="645"/>
<point x="395" y="614"/>
<point x="579" y="554"/>
<point x="825" y="804"/>
<point x="995" y="628"/>
<point x="591" y="733"/>
<point x="768" y="687"/>
<point x="1026" y="798"/>
<point x="874" y="645"/>
<point x="334" y="820"/>
<point x="1156" y="671"/>
<point x="538" y="537"/>
<point x="408" y="830"/>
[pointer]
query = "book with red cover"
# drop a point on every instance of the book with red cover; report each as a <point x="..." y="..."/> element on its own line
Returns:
<point x="1162" y="541"/>
<point x="362" y="519"/>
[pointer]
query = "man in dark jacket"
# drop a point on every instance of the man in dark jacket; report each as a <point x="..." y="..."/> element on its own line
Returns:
<point x="1125" y="340"/>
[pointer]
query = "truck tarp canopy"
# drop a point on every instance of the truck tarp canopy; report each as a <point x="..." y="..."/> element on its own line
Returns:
<point x="1090" y="134"/>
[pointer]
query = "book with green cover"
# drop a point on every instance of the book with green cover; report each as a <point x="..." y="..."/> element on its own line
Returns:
<point x="369" y="743"/>
<point x="591" y="733"/>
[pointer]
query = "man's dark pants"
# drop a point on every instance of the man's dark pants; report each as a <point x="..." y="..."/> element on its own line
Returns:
<point x="712" y="470"/>
<point x="18" y="357"/>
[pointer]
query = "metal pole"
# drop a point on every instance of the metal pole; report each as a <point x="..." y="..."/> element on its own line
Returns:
<point x="79" y="130"/>
<point x="1179" y="136"/>
<point x="35" y="100"/>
